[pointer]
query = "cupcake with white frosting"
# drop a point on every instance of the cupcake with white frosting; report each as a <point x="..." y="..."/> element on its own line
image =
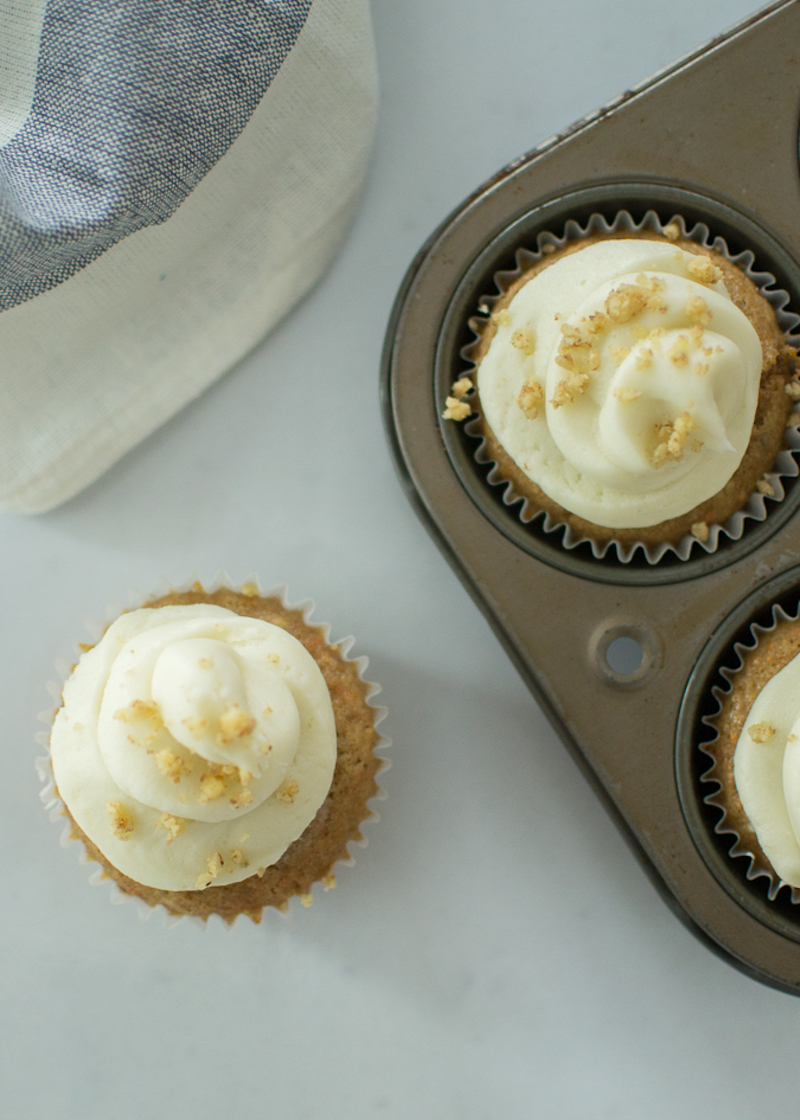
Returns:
<point x="214" y="753"/>
<point x="632" y="386"/>
<point x="757" y="755"/>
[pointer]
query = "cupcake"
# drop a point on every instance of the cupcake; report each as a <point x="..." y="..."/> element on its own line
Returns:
<point x="215" y="754"/>
<point x="757" y="754"/>
<point x="632" y="385"/>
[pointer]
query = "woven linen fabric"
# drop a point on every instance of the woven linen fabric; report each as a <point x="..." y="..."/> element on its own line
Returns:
<point x="174" y="176"/>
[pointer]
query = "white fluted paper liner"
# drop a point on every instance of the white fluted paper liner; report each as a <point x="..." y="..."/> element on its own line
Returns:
<point x="758" y="865"/>
<point x="96" y="629"/>
<point x="785" y="465"/>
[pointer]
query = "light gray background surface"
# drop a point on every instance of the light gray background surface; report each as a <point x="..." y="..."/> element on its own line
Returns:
<point x="496" y="951"/>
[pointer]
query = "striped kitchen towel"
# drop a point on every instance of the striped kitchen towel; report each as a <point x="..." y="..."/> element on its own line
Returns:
<point x="174" y="176"/>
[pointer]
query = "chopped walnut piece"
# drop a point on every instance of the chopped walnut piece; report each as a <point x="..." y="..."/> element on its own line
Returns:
<point x="531" y="396"/>
<point x="792" y="389"/>
<point x="121" y="820"/>
<point x="697" y="311"/>
<point x="456" y="409"/>
<point x="461" y="387"/>
<point x="502" y="316"/>
<point x="140" y="710"/>
<point x="273" y="658"/>
<point x="567" y="390"/>
<point x="169" y="764"/>
<point x="700" y="530"/>
<point x="548" y="248"/>
<point x="238" y="858"/>
<point x="761" y="732"/>
<point x="701" y="368"/>
<point x="328" y="881"/>
<point x="260" y="872"/>
<point x="214" y="865"/>
<point x="672" y="439"/>
<point x="626" y="302"/>
<point x="619" y="353"/>
<point x="703" y="269"/>
<point x="765" y="487"/>
<point x="250" y="589"/>
<point x="175" y="826"/>
<point x="678" y="353"/>
<point x="212" y="786"/>
<point x="627" y="394"/>
<point x="234" y="724"/>
<point x="576" y="351"/>
<point x="306" y="899"/>
<point x="672" y="231"/>
<point x="245" y="777"/>
<point x="522" y="339"/>
<point x="241" y="799"/>
<point x="288" y="791"/>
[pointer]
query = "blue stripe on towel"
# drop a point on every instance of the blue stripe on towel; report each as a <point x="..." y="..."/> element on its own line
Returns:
<point x="135" y="101"/>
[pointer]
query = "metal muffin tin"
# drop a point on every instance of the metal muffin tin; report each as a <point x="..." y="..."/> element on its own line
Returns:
<point x="714" y="138"/>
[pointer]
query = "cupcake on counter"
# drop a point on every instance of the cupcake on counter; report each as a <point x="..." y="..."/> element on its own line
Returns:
<point x="215" y="754"/>
<point x="636" y="387"/>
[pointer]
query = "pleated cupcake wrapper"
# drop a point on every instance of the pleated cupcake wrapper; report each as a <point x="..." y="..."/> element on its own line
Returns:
<point x="785" y="465"/>
<point x="758" y="865"/>
<point x="64" y="667"/>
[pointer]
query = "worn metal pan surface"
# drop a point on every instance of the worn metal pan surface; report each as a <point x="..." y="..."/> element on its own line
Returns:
<point x="714" y="138"/>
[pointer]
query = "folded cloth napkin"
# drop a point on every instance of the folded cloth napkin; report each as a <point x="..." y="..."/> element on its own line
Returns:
<point x="174" y="176"/>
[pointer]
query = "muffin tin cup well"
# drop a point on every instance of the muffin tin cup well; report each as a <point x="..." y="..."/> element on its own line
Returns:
<point x="63" y="668"/>
<point x="785" y="465"/>
<point x="674" y="146"/>
<point x="612" y="208"/>
<point x="705" y="781"/>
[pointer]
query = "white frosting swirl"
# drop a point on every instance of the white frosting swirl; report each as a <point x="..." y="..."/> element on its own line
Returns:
<point x="766" y="770"/>
<point x="194" y="745"/>
<point x="624" y="381"/>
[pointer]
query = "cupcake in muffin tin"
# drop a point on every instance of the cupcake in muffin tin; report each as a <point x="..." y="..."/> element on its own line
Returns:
<point x="634" y="384"/>
<point x="215" y="753"/>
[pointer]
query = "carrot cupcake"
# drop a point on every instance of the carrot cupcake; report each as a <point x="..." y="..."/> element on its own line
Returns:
<point x="633" y="386"/>
<point x="757" y="755"/>
<point x="214" y="753"/>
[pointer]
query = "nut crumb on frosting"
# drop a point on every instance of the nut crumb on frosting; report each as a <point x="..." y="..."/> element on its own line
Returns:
<point x="288" y="791"/>
<point x="140" y="710"/>
<point x="169" y="764"/>
<point x="502" y="316"/>
<point x="672" y="231"/>
<point x="121" y="820"/>
<point x="214" y="865"/>
<point x="700" y="530"/>
<point x="530" y="397"/>
<point x="241" y="799"/>
<point x="234" y="724"/>
<point x="619" y="353"/>
<point x="761" y="732"/>
<point x="765" y="487"/>
<point x="672" y="439"/>
<point x="703" y="269"/>
<point x="456" y="409"/>
<point x="678" y="353"/>
<point x="697" y="311"/>
<point x="249" y="589"/>
<point x="238" y="858"/>
<point x="175" y="826"/>
<point x="522" y="339"/>
<point x="792" y="389"/>
<point x="627" y="394"/>
<point x="306" y="899"/>
<point x="212" y="786"/>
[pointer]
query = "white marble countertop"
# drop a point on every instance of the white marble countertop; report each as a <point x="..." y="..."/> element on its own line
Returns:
<point x="496" y="951"/>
